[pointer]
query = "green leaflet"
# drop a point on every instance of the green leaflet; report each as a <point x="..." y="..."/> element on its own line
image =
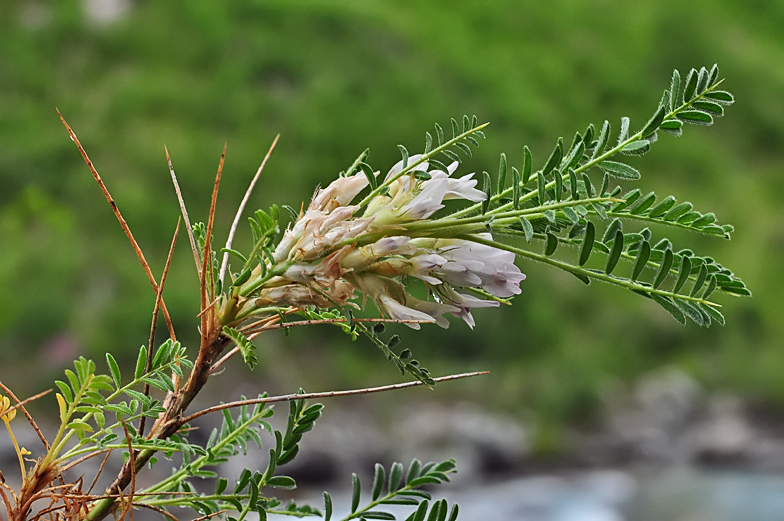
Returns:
<point x="695" y="116"/>
<point x="501" y="173"/>
<point x="247" y="347"/>
<point x="669" y="307"/>
<point x="587" y="246"/>
<point x="664" y="268"/>
<point x="615" y="252"/>
<point x="526" y="164"/>
<point x="604" y="137"/>
<point x="620" y="170"/>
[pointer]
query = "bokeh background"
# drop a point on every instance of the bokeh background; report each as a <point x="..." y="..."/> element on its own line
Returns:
<point x="334" y="78"/>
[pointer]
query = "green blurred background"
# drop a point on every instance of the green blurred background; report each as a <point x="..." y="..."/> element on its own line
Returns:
<point x="334" y="78"/>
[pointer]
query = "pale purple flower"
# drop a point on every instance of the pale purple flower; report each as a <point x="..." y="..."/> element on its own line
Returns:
<point x="398" y="311"/>
<point x="464" y="303"/>
<point x="427" y="202"/>
<point x="421" y="266"/>
<point x="326" y="222"/>
<point x="498" y="274"/>
<point x="301" y="296"/>
<point x="470" y="264"/>
<point x="397" y="245"/>
<point x="433" y="309"/>
<point x="362" y="257"/>
<point x="322" y="257"/>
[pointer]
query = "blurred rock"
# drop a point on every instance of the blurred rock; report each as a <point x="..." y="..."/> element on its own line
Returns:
<point x="484" y="443"/>
<point x="105" y="12"/>
<point x="725" y="436"/>
<point x="651" y="424"/>
<point x="35" y="15"/>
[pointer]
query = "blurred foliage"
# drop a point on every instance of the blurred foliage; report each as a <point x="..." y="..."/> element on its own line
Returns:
<point x="334" y="78"/>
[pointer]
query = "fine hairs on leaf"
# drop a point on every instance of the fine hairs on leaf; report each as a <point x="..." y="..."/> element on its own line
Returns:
<point x="419" y="245"/>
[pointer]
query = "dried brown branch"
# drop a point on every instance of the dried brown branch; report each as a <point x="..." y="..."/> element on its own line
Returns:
<point x="26" y="401"/>
<point x="212" y="344"/>
<point x="272" y="319"/>
<point x="120" y="218"/>
<point x="184" y="211"/>
<point x="211" y="219"/>
<point x="100" y="471"/>
<point x="327" y="394"/>
<point x="91" y="497"/>
<point x="85" y="458"/>
<point x="132" y="466"/>
<point x="161" y="511"/>
<point x="209" y="306"/>
<point x="30" y="419"/>
<point x="255" y="329"/>
<point x="209" y="516"/>
<point x="235" y="223"/>
<point x="8" y="506"/>
<point x="225" y="358"/>
<point x="62" y="497"/>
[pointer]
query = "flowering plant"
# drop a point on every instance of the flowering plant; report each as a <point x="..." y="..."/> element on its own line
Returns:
<point x="366" y="240"/>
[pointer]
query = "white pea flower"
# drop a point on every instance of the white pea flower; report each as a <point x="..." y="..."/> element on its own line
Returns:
<point x="301" y="296"/>
<point x="462" y="188"/>
<point x="398" y="167"/>
<point x="340" y="192"/>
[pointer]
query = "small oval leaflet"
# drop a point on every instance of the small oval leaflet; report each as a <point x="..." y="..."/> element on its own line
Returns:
<point x="587" y="246"/>
<point x="620" y="170"/>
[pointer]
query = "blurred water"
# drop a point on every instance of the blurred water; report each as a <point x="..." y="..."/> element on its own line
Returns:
<point x="684" y="494"/>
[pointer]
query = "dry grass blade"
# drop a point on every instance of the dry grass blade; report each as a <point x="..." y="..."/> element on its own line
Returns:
<point x="123" y="224"/>
<point x="236" y="222"/>
<point x="158" y="295"/>
<point x="206" y="266"/>
<point x="184" y="211"/>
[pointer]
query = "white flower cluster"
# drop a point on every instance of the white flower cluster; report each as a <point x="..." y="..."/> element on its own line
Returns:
<point x="325" y="267"/>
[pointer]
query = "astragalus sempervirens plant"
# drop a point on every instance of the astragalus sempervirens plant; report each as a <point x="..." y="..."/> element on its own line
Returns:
<point x="355" y="257"/>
